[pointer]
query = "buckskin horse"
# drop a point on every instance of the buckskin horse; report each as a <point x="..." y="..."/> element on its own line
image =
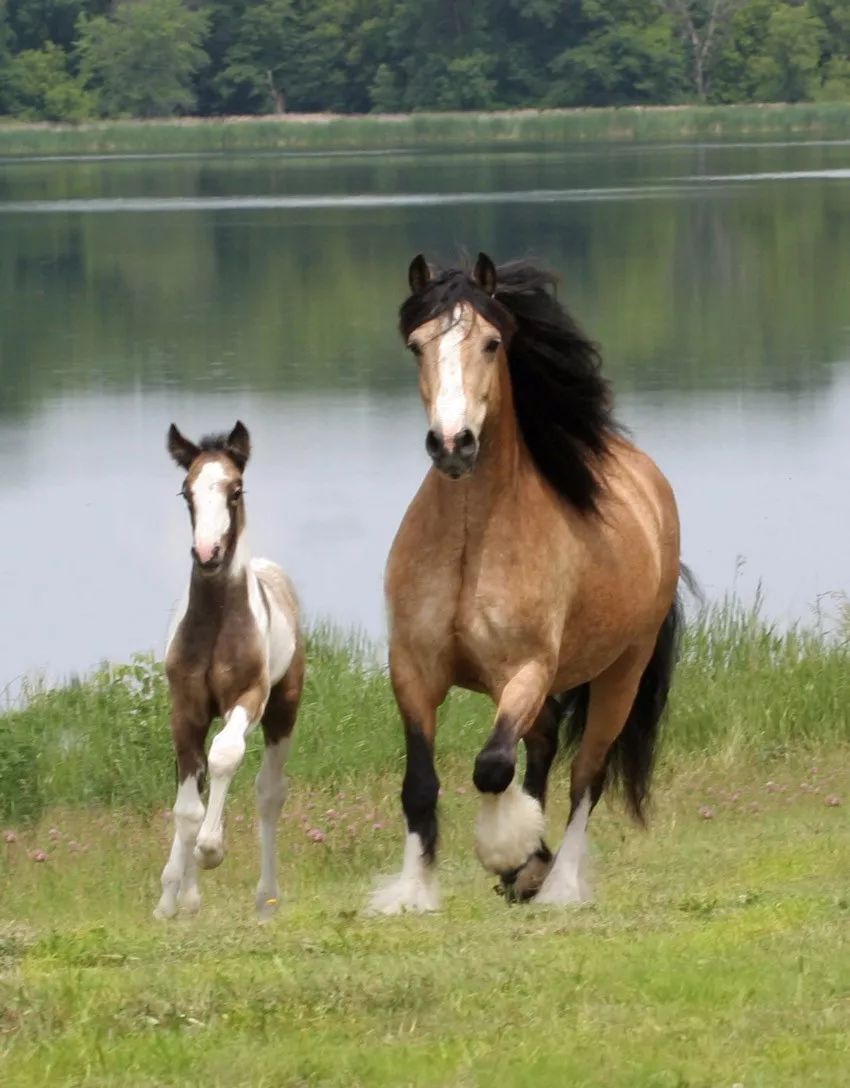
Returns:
<point x="236" y="651"/>
<point x="538" y="563"/>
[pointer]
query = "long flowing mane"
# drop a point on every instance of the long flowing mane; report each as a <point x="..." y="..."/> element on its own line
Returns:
<point x="562" y="402"/>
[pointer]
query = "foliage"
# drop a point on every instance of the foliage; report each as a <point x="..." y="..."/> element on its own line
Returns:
<point x="148" y="58"/>
<point x="38" y="86"/>
<point x="141" y="59"/>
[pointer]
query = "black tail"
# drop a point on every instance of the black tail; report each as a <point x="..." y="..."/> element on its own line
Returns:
<point x="632" y="756"/>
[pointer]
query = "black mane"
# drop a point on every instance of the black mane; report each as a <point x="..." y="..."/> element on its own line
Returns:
<point x="215" y="443"/>
<point x="562" y="402"/>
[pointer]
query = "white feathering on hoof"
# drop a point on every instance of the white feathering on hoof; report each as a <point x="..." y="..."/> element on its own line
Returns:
<point x="415" y="887"/>
<point x="567" y="883"/>
<point x="508" y="829"/>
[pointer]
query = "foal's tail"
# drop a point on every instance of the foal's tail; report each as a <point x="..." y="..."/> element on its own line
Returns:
<point x="631" y="757"/>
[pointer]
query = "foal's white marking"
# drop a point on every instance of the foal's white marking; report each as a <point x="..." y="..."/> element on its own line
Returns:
<point x="415" y="887"/>
<point x="508" y="829"/>
<point x="276" y="628"/>
<point x="567" y="879"/>
<point x="180" y="875"/>
<point x="271" y="793"/>
<point x="450" y="402"/>
<point x="226" y="753"/>
<point x="212" y="516"/>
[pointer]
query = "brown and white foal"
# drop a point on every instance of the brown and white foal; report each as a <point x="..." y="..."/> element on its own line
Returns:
<point x="235" y="651"/>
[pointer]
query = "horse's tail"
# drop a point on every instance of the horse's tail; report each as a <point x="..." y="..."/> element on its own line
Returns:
<point x="631" y="758"/>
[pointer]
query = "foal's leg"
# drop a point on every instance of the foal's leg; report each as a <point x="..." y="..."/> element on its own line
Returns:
<point x="180" y="875"/>
<point x="226" y="754"/>
<point x="509" y="827"/>
<point x="278" y="723"/>
<point x="415" y="887"/>
<point x="612" y="696"/>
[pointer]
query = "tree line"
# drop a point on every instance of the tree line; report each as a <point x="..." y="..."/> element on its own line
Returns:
<point x="70" y="60"/>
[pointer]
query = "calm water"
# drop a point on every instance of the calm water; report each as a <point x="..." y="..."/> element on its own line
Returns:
<point x="199" y="289"/>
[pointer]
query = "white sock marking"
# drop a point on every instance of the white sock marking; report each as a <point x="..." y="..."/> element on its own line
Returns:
<point x="271" y="794"/>
<point x="567" y="879"/>
<point x="508" y="829"/>
<point x="226" y="754"/>
<point x="180" y="875"/>
<point x="415" y="887"/>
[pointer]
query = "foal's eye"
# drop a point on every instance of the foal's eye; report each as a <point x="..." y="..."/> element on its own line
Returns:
<point x="492" y="346"/>
<point x="235" y="496"/>
<point x="415" y="349"/>
<point x="183" y="493"/>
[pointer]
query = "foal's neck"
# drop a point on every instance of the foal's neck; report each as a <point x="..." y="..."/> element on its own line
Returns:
<point x="215" y="592"/>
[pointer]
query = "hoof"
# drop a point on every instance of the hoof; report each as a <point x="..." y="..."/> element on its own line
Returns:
<point x="521" y="885"/>
<point x="209" y="855"/>
<point x="164" y="910"/>
<point x="267" y="907"/>
<point x="189" y="901"/>
<point x="402" y="894"/>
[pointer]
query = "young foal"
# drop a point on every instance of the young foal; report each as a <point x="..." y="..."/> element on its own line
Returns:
<point x="235" y="651"/>
<point x="538" y="563"/>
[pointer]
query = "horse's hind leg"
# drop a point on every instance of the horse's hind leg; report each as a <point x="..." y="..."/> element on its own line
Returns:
<point x="415" y="887"/>
<point x="278" y="724"/>
<point x="612" y="698"/>
<point x="180" y="875"/>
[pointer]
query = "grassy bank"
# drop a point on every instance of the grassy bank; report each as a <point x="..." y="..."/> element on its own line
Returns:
<point x="324" y="132"/>
<point x="716" y="952"/>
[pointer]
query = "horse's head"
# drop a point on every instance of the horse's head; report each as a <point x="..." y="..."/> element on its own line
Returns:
<point x="457" y="330"/>
<point x="213" y="492"/>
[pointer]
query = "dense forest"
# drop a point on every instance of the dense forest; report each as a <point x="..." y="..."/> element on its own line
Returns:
<point x="77" y="59"/>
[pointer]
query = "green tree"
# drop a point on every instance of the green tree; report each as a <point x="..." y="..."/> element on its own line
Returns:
<point x="37" y="86"/>
<point x="787" y="69"/>
<point x="141" y="59"/>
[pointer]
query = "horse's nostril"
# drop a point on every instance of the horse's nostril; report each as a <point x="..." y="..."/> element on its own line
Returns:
<point x="432" y="443"/>
<point x="465" y="442"/>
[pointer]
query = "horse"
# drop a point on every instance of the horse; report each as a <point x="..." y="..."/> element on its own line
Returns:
<point x="539" y="564"/>
<point x="235" y="650"/>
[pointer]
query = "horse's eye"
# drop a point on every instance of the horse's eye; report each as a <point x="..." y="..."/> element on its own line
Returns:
<point x="415" y="350"/>
<point x="235" y="495"/>
<point x="492" y="346"/>
<point x="184" y="492"/>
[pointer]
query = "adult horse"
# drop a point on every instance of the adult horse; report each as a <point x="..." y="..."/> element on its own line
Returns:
<point x="538" y="563"/>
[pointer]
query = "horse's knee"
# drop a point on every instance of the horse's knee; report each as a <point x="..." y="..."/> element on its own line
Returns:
<point x="494" y="768"/>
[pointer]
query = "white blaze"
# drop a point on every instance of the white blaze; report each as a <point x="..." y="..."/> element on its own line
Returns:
<point x="450" y="402"/>
<point x="212" y="517"/>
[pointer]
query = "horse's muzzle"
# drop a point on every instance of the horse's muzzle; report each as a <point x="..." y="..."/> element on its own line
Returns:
<point x="453" y="455"/>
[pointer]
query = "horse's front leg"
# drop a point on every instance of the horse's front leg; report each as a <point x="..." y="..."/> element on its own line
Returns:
<point x="509" y="826"/>
<point x="180" y="875"/>
<point x="415" y="887"/>
<point x="226" y="754"/>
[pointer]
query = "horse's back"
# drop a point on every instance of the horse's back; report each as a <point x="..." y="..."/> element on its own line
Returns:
<point x="283" y="616"/>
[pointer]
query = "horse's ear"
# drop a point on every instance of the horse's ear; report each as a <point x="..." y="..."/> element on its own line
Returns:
<point x="418" y="275"/>
<point x="181" y="449"/>
<point x="484" y="274"/>
<point x="239" y="445"/>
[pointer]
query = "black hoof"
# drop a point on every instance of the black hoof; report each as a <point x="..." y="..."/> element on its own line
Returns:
<point x="522" y="884"/>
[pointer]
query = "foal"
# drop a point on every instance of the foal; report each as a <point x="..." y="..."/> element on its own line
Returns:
<point x="235" y="651"/>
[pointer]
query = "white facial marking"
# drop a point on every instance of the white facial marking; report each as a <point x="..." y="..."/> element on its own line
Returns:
<point x="212" y="516"/>
<point x="450" y="402"/>
<point x="567" y="879"/>
<point x="508" y="829"/>
<point x="415" y="887"/>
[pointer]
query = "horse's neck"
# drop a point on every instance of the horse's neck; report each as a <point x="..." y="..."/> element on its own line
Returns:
<point x="500" y="456"/>
<point x="211" y="597"/>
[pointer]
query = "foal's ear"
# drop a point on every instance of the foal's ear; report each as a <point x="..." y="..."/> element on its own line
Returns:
<point x="484" y="274"/>
<point x="239" y="445"/>
<point x="418" y="274"/>
<point x="181" y="449"/>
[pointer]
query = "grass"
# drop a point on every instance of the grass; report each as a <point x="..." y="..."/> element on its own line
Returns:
<point x="332" y="132"/>
<point x="716" y="952"/>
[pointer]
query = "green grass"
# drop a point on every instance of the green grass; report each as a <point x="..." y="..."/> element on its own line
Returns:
<point x="716" y="952"/>
<point x="327" y="132"/>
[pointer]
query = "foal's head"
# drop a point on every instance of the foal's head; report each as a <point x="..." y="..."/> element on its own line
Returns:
<point x="213" y="492"/>
<point x="457" y="331"/>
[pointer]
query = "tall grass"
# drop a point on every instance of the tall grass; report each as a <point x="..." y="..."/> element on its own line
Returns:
<point x="329" y="132"/>
<point x="742" y="687"/>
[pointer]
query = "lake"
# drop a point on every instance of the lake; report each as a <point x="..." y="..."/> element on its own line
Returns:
<point x="139" y="290"/>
